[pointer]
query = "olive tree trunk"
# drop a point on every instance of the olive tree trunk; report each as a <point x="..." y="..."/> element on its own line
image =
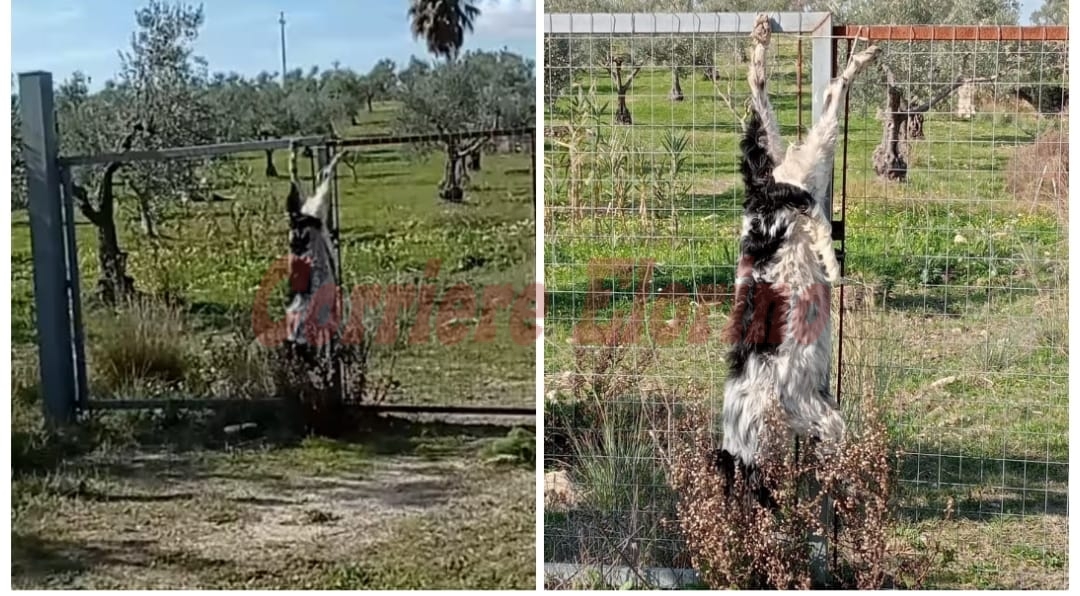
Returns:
<point x="271" y="169"/>
<point x="676" y="93"/>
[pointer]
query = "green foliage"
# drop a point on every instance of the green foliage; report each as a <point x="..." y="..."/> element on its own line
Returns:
<point x="442" y="24"/>
<point x="517" y="447"/>
<point x="165" y="86"/>
<point x="18" y="165"/>
<point x="480" y="91"/>
<point x="1052" y="12"/>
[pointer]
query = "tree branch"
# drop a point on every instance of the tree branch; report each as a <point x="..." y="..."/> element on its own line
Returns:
<point x="631" y="79"/>
<point x="82" y="201"/>
<point x="947" y="91"/>
<point x="105" y="192"/>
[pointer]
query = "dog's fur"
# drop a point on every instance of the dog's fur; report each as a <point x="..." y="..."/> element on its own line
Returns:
<point x="312" y="261"/>
<point x="779" y="327"/>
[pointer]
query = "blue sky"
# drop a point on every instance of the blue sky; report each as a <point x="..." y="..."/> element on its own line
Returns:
<point x="1026" y="8"/>
<point x="62" y="36"/>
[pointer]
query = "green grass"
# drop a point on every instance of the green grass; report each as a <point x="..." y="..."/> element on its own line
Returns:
<point x="956" y="318"/>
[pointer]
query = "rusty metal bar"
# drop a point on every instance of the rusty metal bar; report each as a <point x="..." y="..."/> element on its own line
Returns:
<point x="953" y="32"/>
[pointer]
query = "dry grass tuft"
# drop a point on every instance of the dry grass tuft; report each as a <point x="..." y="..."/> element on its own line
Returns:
<point x="1039" y="172"/>
<point x="143" y="342"/>
<point x="737" y="543"/>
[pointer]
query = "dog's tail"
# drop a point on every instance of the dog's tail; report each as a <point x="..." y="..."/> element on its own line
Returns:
<point x="757" y="166"/>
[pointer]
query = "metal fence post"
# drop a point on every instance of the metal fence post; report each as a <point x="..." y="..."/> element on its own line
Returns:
<point x="322" y="159"/>
<point x="56" y="344"/>
<point x="82" y="386"/>
<point x="822" y="61"/>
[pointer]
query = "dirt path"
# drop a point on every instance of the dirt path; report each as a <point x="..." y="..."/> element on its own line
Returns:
<point x="274" y="518"/>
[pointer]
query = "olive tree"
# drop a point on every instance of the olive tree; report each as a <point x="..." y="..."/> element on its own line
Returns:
<point x="95" y="124"/>
<point x="378" y="83"/>
<point x="479" y="91"/>
<point x="167" y="85"/>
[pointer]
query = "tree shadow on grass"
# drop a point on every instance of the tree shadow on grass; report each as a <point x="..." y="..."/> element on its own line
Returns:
<point x="399" y="435"/>
<point x="979" y="488"/>
<point x="40" y="562"/>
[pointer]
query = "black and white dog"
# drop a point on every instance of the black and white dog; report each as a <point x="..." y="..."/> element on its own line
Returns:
<point x="311" y="312"/>
<point x="779" y="327"/>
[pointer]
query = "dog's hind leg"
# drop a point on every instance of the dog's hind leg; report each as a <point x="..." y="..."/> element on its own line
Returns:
<point x="759" y="96"/>
<point x="811" y="164"/>
<point x="821" y="237"/>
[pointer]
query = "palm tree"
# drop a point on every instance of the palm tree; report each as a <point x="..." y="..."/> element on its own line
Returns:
<point x="442" y="24"/>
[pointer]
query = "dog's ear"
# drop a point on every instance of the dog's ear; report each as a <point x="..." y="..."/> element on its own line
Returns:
<point x="293" y="202"/>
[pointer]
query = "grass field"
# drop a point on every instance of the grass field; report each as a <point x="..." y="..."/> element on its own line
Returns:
<point x="954" y="319"/>
<point x="170" y="499"/>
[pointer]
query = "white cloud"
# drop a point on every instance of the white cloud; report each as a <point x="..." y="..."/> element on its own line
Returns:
<point x="507" y="18"/>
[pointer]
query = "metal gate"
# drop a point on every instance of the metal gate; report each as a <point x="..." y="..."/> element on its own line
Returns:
<point x="57" y="299"/>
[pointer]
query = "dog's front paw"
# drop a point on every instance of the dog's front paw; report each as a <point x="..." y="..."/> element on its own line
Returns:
<point x="762" y="30"/>
<point x="865" y="57"/>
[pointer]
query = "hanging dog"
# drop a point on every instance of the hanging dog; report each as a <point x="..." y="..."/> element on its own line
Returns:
<point x="779" y="327"/>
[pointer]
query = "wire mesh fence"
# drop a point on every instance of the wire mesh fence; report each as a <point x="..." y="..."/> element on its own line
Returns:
<point x="955" y="316"/>
<point x="952" y="313"/>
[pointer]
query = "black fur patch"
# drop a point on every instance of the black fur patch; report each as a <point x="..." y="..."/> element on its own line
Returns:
<point x="755" y="488"/>
<point x="765" y="197"/>
<point x="757" y="323"/>
<point x="759" y="317"/>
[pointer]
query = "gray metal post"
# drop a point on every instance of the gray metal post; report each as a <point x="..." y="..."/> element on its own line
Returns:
<point x="82" y="387"/>
<point x="322" y="158"/>
<point x="47" y="236"/>
<point x="821" y="76"/>
<point x="821" y="62"/>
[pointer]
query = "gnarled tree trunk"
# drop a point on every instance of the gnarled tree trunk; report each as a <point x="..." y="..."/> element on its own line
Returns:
<point x="115" y="284"/>
<point x="271" y="169"/>
<point x="903" y="121"/>
<point x="450" y="185"/>
<point x="888" y="158"/>
<point x="676" y="93"/>
<point x="460" y="156"/>
<point x="146" y="217"/>
<point x="622" y="112"/>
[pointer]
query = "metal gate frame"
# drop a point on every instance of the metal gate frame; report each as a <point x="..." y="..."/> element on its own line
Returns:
<point x="57" y="300"/>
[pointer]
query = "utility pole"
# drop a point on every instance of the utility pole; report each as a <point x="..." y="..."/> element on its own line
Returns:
<point x="282" y="22"/>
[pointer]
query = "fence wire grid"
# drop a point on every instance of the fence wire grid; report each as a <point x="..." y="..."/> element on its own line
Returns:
<point x="953" y="310"/>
